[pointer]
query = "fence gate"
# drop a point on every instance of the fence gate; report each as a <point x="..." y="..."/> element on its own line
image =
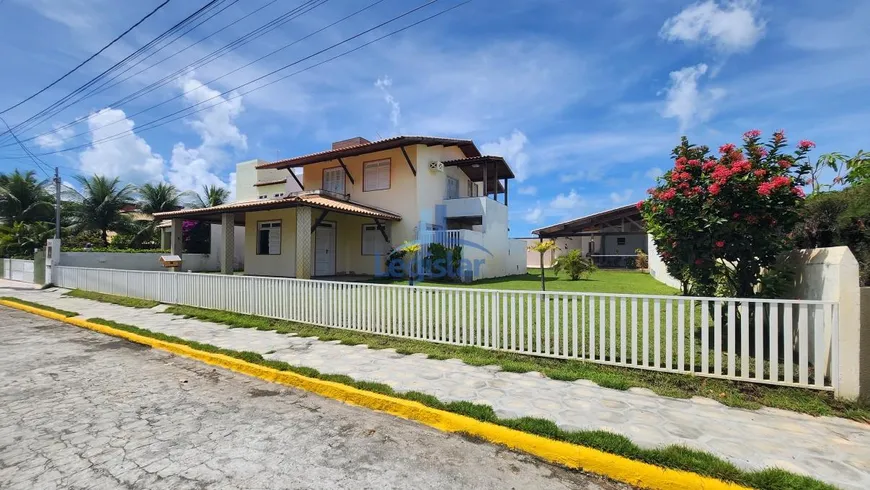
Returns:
<point x="39" y="267"/>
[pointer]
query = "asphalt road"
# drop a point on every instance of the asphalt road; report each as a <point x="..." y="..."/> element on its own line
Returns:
<point x="82" y="410"/>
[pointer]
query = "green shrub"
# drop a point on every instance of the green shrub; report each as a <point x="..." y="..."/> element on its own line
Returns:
<point x="574" y="264"/>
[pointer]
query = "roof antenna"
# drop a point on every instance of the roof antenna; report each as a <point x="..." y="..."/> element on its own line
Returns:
<point x="379" y="135"/>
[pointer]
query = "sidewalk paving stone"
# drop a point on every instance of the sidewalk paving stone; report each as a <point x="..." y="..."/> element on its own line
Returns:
<point x="828" y="448"/>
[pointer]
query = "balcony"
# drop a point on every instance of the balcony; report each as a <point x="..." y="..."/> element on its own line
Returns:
<point x="472" y="206"/>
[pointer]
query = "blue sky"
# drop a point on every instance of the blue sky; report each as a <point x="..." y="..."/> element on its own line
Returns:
<point x="584" y="99"/>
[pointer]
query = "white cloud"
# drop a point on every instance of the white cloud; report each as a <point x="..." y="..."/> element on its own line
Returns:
<point x="654" y="173"/>
<point x="529" y="190"/>
<point x="620" y="197"/>
<point x="512" y="149"/>
<point x="685" y="101"/>
<point x="535" y="214"/>
<point x="590" y="175"/>
<point x="192" y="168"/>
<point x="56" y="139"/>
<point x="566" y="201"/>
<point x="731" y="26"/>
<point x="395" y="109"/>
<point x="214" y="125"/>
<point x="129" y="158"/>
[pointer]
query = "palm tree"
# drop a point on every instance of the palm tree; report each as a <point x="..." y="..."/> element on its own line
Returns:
<point x="23" y="198"/>
<point x="211" y="196"/>
<point x="100" y="205"/>
<point x="542" y="248"/>
<point x="20" y="239"/>
<point x="159" y="198"/>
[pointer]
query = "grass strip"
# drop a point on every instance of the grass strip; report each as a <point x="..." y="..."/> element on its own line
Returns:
<point x="675" y="457"/>
<point x="111" y="298"/>
<point x="40" y="306"/>
<point x="732" y="393"/>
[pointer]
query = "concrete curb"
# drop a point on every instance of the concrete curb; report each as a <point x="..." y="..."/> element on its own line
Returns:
<point x="618" y="468"/>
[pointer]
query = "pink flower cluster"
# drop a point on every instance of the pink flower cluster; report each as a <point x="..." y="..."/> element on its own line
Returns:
<point x="726" y="148"/>
<point x="752" y="133"/>
<point x="784" y="163"/>
<point x="721" y="174"/>
<point x="806" y="145"/>
<point x="765" y="188"/>
<point x="667" y="194"/>
<point x="741" y="166"/>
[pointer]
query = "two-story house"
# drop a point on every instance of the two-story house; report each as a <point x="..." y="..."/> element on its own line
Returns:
<point x="357" y="201"/>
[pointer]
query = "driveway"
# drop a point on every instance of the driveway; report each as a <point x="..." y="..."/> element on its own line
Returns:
<point x="83" y="410"/>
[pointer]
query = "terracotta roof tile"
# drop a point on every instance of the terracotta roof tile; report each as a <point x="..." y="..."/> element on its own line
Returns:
<point x="314" y="199"/>
<point x="466" y="145"/>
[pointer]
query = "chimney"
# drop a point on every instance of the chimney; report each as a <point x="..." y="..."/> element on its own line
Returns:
<point x="350" y="142"/>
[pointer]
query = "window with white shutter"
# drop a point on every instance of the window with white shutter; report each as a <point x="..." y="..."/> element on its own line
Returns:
<point x="269" y="238"/>
<point x="333" y="180"/>
<point x="373" y="242"/>
<point x="376" y="175"/>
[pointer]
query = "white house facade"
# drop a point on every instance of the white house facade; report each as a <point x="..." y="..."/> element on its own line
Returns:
<point x="340" y="212"/>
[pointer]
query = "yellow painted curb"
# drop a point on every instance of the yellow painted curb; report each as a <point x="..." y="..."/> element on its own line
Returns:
<point x="570" y="455"/>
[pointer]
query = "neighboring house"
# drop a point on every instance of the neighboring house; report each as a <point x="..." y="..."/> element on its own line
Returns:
<point x="609" y="237"/>
<point x="357" y="201"/>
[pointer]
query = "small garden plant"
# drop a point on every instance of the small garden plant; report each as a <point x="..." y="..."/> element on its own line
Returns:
<point x="575" y="265"/>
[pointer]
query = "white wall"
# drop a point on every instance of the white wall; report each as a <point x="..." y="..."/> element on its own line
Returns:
<point x="137" y="261"/>
<point x="657" y="268"/>
<point x="832" y="274"/>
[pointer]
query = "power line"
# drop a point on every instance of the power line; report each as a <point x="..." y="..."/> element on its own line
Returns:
<point x="147" y="109"/>
<point x="108" y="84"/>
<point x="39" y="163"/>
<point x="292" y="14"/>
<point x="136" y="53"/>
<point x="151" y="124"/>
<point x="52" y="84"/>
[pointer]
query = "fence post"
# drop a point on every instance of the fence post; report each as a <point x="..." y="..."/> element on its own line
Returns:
<point x="831" y="274"/>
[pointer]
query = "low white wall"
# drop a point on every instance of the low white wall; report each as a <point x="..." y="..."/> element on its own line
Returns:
<point x="516" y="263"/>
<point x="832" y="274"/>
<point x="137" y="261"/>
<point x="657" y="268"/>
<point x="17" y="269"/>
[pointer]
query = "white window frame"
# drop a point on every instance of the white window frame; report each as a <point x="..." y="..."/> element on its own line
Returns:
<point x="383" y="247"/>
<point x="274" y="228"/>
<point x="380" y="181"/>
<point x="342" y="179"/>
<point x="447" y="188"/>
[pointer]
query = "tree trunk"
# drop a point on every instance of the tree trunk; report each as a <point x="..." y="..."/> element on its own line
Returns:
<point x="104" y="236"/>
<point x="543" y="280"/>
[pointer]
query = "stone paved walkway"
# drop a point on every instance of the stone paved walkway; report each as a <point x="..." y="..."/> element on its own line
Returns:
<point x="831" y="449"/>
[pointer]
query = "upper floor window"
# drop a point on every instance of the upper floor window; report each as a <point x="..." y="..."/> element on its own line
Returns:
<point x="376" y="175"/>
<point x="472" y="189"/>
<point x="333" y="180"/>
<point x="452" y="188"/>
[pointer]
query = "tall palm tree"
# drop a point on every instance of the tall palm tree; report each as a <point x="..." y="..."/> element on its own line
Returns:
<point x="23" y="198"/>
<point x="158" y="198"/>
<point x="211" y="196"/>
<point x="153" y="198"/>
<point x="100" y="205"/>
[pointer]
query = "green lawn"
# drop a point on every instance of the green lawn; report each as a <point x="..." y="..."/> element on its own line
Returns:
<point x="601" y="281"/>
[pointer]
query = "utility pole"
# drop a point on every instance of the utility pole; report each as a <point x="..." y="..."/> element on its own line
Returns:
<point x="56" y="203"/>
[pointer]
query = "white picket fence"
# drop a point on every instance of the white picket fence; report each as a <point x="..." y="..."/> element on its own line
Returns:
<point x="17" y="269"/>
<point x="783" y="342"/>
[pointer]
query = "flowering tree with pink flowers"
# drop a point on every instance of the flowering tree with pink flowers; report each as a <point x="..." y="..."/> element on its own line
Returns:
<point x="725" y="218"/>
